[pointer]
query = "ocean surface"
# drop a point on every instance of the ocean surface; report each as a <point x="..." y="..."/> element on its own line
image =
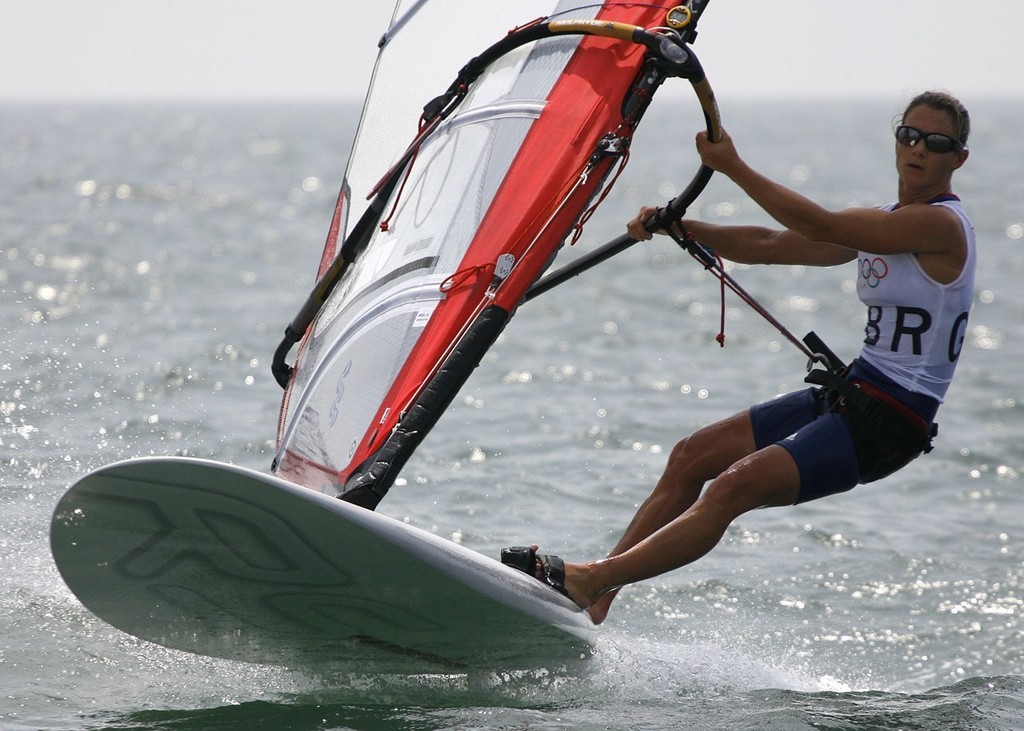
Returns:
<point x="151" y="256"/>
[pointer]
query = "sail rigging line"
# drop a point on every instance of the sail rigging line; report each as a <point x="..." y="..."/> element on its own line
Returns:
<point x="435" y="112"/>
<point x="457" y="278"/>
<point x="610" y="145"/>
<point x="385" y="223"/>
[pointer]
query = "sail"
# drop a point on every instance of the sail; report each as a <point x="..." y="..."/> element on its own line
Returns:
<point x="457" y="196"/>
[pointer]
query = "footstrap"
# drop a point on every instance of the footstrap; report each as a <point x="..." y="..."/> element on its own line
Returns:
<point x="519" y="557"/>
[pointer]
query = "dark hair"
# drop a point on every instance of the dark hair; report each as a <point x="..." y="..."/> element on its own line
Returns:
<point x="949" y="104"/>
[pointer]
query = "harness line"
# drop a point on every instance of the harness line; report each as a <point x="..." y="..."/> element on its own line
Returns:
<point x="713" y="263"/>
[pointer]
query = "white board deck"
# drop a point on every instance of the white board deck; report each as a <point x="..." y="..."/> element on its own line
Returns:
<point x="228" y="562"/>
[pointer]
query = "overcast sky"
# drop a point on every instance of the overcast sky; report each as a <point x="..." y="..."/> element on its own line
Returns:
<point x="231" y="49"/>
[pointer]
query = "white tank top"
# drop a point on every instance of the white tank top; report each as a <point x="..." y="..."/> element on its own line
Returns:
<point x="916" y="326"/>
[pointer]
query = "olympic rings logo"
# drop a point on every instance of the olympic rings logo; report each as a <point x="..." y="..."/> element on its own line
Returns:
<point x="873" y="271"/>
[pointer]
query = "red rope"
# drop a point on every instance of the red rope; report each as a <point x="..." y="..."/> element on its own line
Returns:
<point x="459" y="277"/>
<point x="717" y="268"/>
<point x="385" y="223"/>
<point x="585" y="216"/>
<point x="720" y="338"/>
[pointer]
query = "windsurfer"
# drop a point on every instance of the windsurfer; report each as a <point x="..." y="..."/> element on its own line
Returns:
<point x="916" y="259"/>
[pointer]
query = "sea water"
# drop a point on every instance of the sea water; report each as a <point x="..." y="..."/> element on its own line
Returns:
<point x="151" y="256"/>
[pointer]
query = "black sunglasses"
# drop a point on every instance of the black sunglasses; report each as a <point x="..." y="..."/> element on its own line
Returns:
<point x="934" y="141"/>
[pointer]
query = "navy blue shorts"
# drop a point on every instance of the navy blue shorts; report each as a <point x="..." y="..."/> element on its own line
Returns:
<point x="819" y="442"/>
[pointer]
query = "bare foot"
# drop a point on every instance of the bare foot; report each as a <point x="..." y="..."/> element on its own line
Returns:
<point x="585" y="588"/>
<point x="571" y="583"/>
<point x="598" y="611"/>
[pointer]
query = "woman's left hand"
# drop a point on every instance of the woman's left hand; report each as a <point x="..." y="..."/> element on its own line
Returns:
<point x="636" y="228"/>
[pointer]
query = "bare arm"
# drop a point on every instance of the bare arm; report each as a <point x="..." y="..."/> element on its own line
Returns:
<point x="916" y="228"/>
<point x="753" y="244"/>
<point x="759" y="245"/>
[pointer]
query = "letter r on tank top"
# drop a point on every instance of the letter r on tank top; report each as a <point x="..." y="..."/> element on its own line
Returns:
<point x="912" y="321"/>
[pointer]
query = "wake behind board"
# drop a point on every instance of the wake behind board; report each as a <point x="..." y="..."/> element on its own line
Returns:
<point x="232" y="563"/>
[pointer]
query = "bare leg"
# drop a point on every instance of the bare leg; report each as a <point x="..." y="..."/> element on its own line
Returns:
<point x="768" y="477"/>
<point x="696" y="459"/>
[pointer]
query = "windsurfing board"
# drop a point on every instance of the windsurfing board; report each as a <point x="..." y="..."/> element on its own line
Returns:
<point x="228" y="562"/>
